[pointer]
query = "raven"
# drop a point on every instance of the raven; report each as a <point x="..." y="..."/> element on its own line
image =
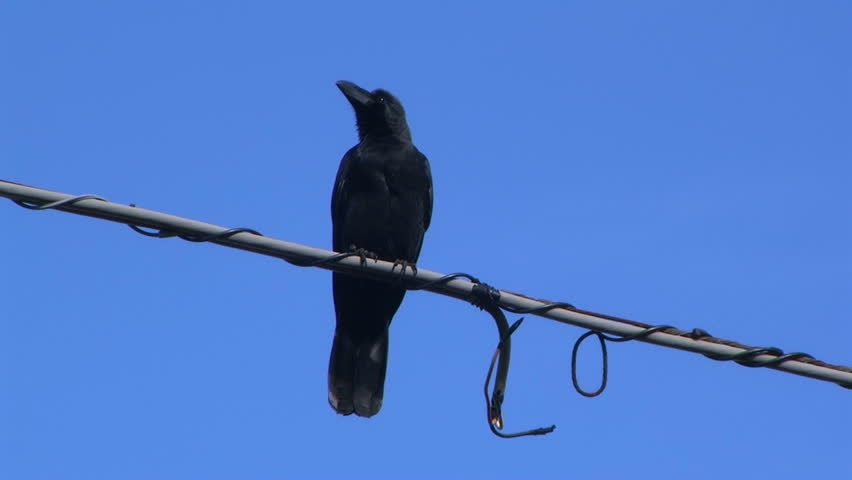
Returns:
<point x="381" y="206"/>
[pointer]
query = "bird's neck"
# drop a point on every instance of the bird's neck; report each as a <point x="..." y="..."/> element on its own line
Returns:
<point x="395" y="139"/>
<point x="382" y="146"/>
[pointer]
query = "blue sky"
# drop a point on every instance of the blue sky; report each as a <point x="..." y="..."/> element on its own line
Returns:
<point x="672" y="162"/>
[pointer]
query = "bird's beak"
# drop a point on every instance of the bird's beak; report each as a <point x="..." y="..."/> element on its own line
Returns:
<point x="356" y="95"/>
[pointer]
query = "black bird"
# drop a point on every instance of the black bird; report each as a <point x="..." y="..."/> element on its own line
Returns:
<point x="381" y="206"/>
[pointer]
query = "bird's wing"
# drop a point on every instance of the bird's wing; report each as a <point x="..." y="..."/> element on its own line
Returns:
<point x="427" y="211"/>
<point x="427" y="203"/>
<point x="339" y="197"/>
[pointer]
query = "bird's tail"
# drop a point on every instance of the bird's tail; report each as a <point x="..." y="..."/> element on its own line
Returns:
<point x="356" y="374"/>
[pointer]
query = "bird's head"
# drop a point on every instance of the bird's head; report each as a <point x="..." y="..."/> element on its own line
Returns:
<point x="378" y="113"/>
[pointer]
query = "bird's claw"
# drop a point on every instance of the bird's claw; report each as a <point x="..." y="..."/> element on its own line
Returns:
<point x="363" y="254"/>
<point x="403" y="265"/>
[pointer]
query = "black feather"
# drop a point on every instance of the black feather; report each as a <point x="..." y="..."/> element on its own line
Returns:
<point x="382" y="203"/>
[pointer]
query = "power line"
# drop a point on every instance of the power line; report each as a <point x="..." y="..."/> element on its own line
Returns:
<point x="458" y="286"/>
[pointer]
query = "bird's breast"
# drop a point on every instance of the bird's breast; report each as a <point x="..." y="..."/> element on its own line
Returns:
<point x="385" y="209"/>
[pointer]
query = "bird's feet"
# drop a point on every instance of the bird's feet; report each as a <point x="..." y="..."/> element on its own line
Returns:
<point x="403" y="265"/>
<point x="363" y="254"/>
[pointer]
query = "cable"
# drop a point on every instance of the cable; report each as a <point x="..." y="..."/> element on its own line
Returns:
<point x="457" y="285"/>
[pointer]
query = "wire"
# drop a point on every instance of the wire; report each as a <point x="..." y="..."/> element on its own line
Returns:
<point x="456" y="285"/>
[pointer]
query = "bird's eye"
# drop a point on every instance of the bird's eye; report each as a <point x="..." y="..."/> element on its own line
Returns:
<point x="381" y="99"/>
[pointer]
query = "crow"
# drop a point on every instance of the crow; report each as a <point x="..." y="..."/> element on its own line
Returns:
<point x="381" y="206"/>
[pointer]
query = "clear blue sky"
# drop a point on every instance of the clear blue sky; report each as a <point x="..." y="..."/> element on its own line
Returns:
<point x="672" y="162"/>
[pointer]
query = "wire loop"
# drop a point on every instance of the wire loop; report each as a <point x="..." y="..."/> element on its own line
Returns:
<point x="604" y="364"/>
